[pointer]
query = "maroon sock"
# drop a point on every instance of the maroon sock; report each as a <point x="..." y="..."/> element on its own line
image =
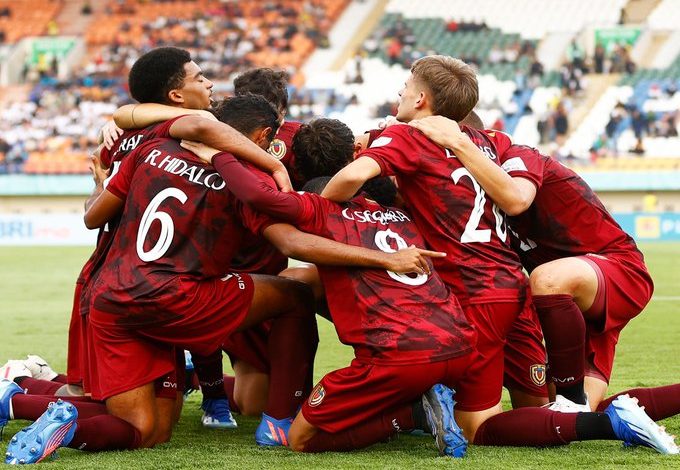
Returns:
<point x="363" y="435"/>
<point x="208" y="369"/>
<point x="60" y="378"/>
<point x="291" y="346"/>
<point x="229" y="383"/>
<point x="105" y="432"/>
<point x="659" y="402"/>
<point x="37" y="386"/>
<point x="564" y="329"/>
<point x="30" y="407"/>
<point x="537" y="427"/>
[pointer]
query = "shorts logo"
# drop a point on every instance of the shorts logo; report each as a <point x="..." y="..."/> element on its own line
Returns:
<point x="317" y="396"/>
<point x="537" y="372"/>
<point x="277" y="149"/>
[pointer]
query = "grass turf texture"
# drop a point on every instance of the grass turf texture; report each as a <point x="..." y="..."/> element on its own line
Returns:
<point x="37" y="289"/>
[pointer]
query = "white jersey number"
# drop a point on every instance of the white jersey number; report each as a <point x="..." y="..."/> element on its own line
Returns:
<point x="167" y="227"/>
<point x="472" y="234"/>
<point x="382" y="241"/>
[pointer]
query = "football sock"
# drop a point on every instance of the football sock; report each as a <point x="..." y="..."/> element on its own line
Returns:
<point x="229" y="383"/>
<point x="60" y="378"/>
<point x="208" y="369"/>
<point x="37" y="386"/>
<point x="659" y="402"/>
<point x="365" y="434"/>
<point x="541" y="427"/>
<point x="105" y="432"/>
<point x="291" y="347"/>
<point x="419" y="417"/>
<point x="564" y="329"/>
<point x="30" y="407"/>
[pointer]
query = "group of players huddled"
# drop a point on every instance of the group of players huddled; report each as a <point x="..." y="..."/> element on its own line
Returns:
<point x="416" y="235"/>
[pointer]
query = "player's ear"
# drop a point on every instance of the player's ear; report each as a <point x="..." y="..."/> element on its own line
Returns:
<point x="263" y="137"/>
<point x="176" y="96"/>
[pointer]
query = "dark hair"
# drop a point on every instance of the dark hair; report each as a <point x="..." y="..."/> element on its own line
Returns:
<point x="247" y="113"/>
<point x="157" y="72"/>
<point x="473" y="120"/>
<point x="381" y="189"/>
<point x="271" y="84"/>
<point x="322" y="148"/>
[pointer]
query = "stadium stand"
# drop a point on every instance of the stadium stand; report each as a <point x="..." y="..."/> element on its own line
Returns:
<point x="23" y="18"/>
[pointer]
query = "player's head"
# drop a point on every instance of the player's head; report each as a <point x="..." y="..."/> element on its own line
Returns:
<point x="251" y="115"/>
<point x="167" y="75"/>
<point x="473" y="120"/>
<point x="382" y="189"/>
<point x="438" y="85"/>
<point x="272" y="84"/>
<point x="322" y="148"/>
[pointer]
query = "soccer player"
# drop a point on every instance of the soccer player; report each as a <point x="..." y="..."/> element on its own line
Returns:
<point x="623" y="419"/>
<point x="449" y="206"/>
<point x="588" y="279"/>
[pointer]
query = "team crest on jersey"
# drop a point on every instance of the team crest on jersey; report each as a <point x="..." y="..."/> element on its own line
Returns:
<point x="277" y="148"/>
<point x="317" y="396"/>
<point x="537" y="372"/>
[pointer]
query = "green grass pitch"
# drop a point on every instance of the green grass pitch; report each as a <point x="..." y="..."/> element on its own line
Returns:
<point x="37" y="290"/>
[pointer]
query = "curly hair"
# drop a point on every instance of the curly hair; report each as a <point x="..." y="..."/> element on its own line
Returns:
<point x="157" y="72"/>
<point x="322" y="148"/>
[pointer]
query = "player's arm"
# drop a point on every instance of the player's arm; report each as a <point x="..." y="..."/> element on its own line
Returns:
<point x="139" y="116"/>
<point x="303" y="246"/>
<point x="512" y="195"/>
<point x="217" y="136"/>
<point x="350" y="179"/>
<point x="103" y="209"/>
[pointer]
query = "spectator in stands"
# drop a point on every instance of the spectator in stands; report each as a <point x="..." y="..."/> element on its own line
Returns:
<point x="612" y="128"/>
<point x="640" y="125"/>
<point x="599" y="58"/>
<point x="561" y="124"/>
<point x="576" y="56"/>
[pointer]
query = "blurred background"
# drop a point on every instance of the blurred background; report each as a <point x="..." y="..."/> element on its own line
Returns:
<point x="592" y="83"/>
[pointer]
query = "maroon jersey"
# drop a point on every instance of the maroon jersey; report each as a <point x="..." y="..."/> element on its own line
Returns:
<point x="178" y="222"/>
<point x="282" y="149"/>
<point x="388" y="318"/>
<point x="112" y="159"/>
<point x="452" y="210"/>
<point x="566" y="218"/>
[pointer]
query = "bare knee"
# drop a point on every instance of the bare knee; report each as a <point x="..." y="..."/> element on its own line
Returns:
<point x="549" y="280"/>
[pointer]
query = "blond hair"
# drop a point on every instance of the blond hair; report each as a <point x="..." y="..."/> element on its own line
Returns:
<point x="451" y="82"/>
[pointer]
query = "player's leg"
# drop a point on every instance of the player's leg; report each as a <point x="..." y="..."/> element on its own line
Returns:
<point x="659" y="402"/>
<point x="251" y="388"/>
<point x="139" y="408"/>
<point x="524" y="373"/>
<point x="478" y="396"/>
<point x="562" y="289"/>
<point x="292" y="343"/>
<point x="215" y="404"/>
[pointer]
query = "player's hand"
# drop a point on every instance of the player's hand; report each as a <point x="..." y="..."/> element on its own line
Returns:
<point x="412" y="260"/>
<point x="282" y="180"/>
<point x="202" y="151"/>
<point x="387" y="122"/>
<point x="99" y="173"/>
<point x="445" y="132"/>
<point x="110" y="133"/>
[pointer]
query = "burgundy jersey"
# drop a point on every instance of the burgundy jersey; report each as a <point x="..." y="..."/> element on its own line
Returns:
<point x="452" y="210"/>
<point x="282" y="149"/>
<point x="388" y="318"/>
<point x="566" y="218"/>
<point x="257" y="255"/>
<point x="178" y="221"/>
<point x="112" y="159"/>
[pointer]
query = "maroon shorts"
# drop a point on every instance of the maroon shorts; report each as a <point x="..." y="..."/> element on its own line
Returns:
<point x="172" y="383"/>
<point x="624" y="289"/>
<point x="482" y="386"/>
<point x="350" y="396"/>
<point x="77" y="351"/>
<point x="525" y="357"/>
<point x="127" y="356"/>
<point x="250" y="346"/>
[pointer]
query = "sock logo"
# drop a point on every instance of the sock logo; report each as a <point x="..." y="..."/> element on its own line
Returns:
<point x="317" y="396"/>
<point x="395" y="425"/>
<point x="537" y="374"/>
<point x="565" y="380"/>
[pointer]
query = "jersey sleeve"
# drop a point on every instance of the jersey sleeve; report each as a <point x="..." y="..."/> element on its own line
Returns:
<point x="394" y="151"/>
<point x="501" y="140"/>
<point x="162" y="129"/>
<point x="524" y="162"/>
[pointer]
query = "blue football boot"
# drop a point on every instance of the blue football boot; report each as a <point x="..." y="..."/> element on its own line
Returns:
<point x="438" y="404"/>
